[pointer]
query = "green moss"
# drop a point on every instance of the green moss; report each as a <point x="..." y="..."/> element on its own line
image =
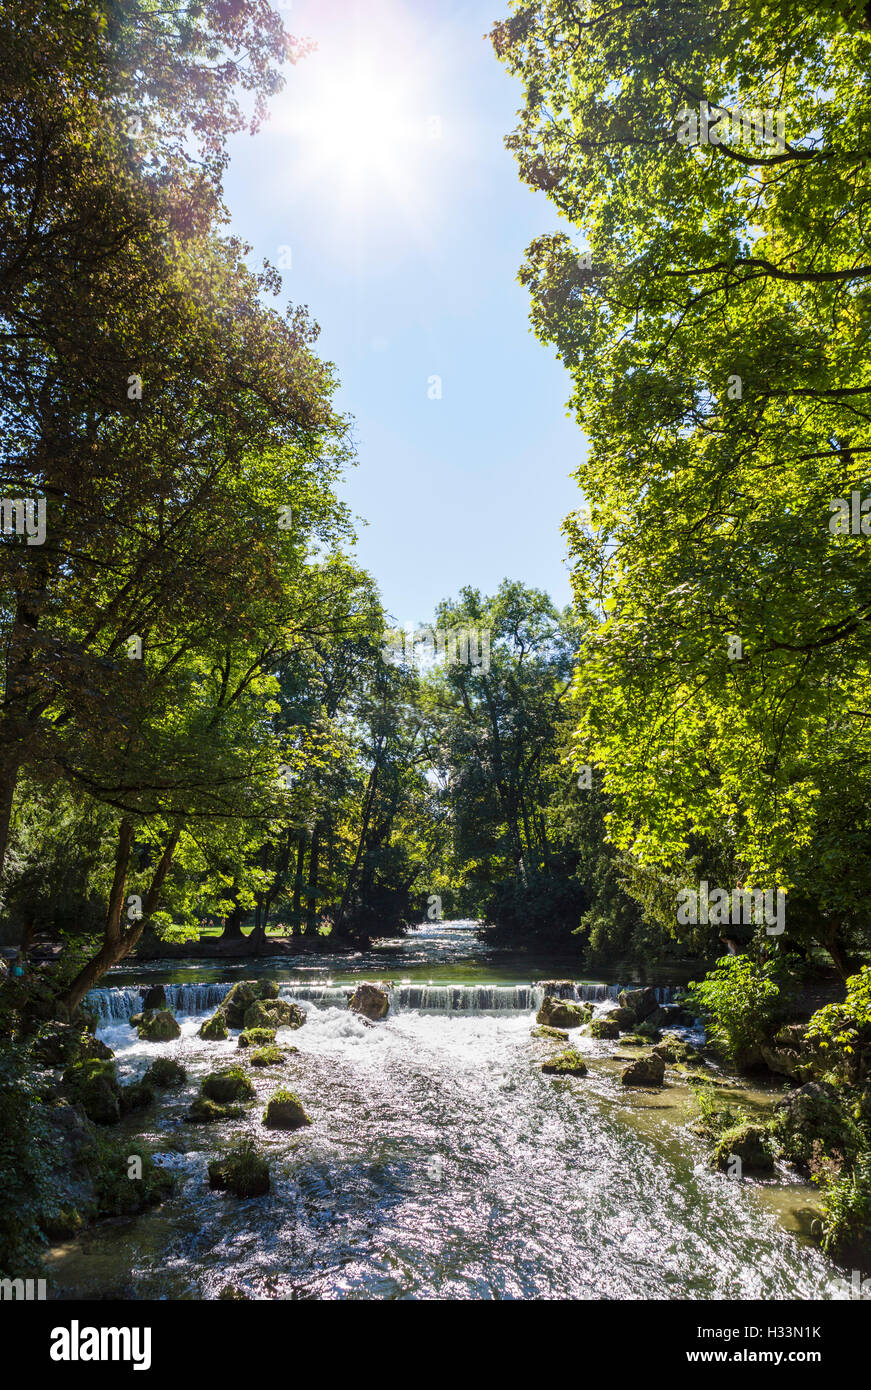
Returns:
<point x="135" y="1096"/>
<point x="231" y="1083"/>
<point x="93" y="1085"/>
<point x="117" y="1192"/>
<point x="243" y="1172"/>
<point x="165" y="1072"/>
<point x="543" y="1031"/>
<point x="748" y="1142"/>
<point x="266" y="1056"/>
<point x="285" y="1111"/>
<point x="604" y="1028"/>
<point x="215" y="1028"/>
<point x="565" y="1063"/>
<point x="252" y="1037"/>
<point x="209" y="1111"/>
<point x="159" y="1026"/>
<point x="273" y="1013"/>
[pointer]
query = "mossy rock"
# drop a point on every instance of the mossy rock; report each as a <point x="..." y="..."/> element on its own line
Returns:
<point x="215" y="1028"/>
<point x="748" y="1142"/>
<point x="649" y="1031"/>
<point x="285" y="1110"/>
<point x="370" y="1001"/>
<point x="266" y="1056"/>
<point x="243" y="1172"/>
<point x="135" y="1096"/>
<point x="63" y="1224"/>
<point x="93" y="1085"/>
<point x="120" y="1194"/>
<point x="273" y="1013"/>
<point x="231" y="1083"/>
<point x="625" y="1019"/>
<point x="562" y="1013"/>
<point x="206" y="1111"/>
<point x="675" y="1050"/>
<point x="242" y="996"/>
<point x="256" y="1037"/>
<point x="634" y="1040"/>
<point x="543" y="1031"/>
<point x="59" y="1045"/>
<point x="165" y="1072"/>
<point x="160" y="1026"/>
<point x="644" y="1071"/>
<point x="568" y="1063"/>
<point x="604" y="1028"/>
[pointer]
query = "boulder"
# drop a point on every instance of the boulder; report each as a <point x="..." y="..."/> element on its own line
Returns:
<point x="240" y="998"/>
<point x="371" y="1001"/>
<point x="206" y="1111"/>
<point x="624" y="1018"/>
<point x="604" y="1028"/>
<point x="272" y="1013"/>
<point x="561" y="1013"/>
<point x="154" y="998"/>
<point x="165" y="1072"/>
<point x="243" y="1172"/>
<point x="215" y="1028"/>
<point x="543" y="1031"/>
<point x="136" y="1095"/>
<point x="93" y="1085"/>
<point x="644" y="1071"/>
<point x="284" y="1110"/>
<point x="674" y="1050"/>
<point x="811" y="1123"/>
<point x="160" y="1026"/>
<point x="750" y="1143"/>
<point x="642" y="1002"/>
<point x="256" y="1037"/>
<point x="231" y="1083"/>
<point x="266" y="1056"/>
<point x="568" y="1063"/>
<point x="785" y="1061"/>
<point x="61" y="1044"/>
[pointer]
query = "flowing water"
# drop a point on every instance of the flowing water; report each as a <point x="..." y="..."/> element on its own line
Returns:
<point x="441" y="1162"/>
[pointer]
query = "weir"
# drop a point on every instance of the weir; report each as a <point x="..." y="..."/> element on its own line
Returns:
<point x="191" y="999"/>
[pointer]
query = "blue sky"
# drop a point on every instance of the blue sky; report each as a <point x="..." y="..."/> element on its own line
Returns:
<point x="382" y="188"/>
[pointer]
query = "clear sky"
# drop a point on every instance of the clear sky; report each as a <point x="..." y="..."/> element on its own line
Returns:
<point x="383" y="190"/>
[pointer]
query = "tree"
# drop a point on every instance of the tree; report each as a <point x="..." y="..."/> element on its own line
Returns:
<point x="715" y="332"/>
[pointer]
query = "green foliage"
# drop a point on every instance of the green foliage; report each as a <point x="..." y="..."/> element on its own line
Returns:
<point x="843" y="1031"/>
<point x="740" y="1000"/>
<point x="846" y="1206"/>
<point x="25" y="1191"/>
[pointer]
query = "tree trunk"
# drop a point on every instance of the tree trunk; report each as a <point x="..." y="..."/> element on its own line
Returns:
<point x="118" y="941"/>
<point x="311" y="916"/>
<point x="233" y="925"/>
<point x="296" y="910"/>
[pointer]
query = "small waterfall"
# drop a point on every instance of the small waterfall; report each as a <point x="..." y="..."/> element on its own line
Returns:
<point x="119" y="1003"/>
<point x="594" y="992"/>
<point x="466" y="999"/>
<point x="329" y="995"/>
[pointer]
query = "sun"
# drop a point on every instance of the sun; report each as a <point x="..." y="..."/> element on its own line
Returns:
<point x="358" y="123"/>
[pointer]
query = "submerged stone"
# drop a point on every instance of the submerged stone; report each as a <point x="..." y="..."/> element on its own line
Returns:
<point x="749" y="1143"/>
<point x="165" y="1072"/>
<point x="243" y="1172"/>
<point x="543" y="1031"/>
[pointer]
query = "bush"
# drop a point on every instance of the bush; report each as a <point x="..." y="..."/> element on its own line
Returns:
<point x="25" y="1189"/>
<point x="740" y="1001"/>
<point x="844" y="1030"/>
<point x="846" y="1205"/>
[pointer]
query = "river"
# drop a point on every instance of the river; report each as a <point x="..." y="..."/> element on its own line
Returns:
<point x="441" y="1162"/>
